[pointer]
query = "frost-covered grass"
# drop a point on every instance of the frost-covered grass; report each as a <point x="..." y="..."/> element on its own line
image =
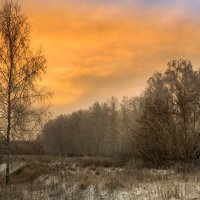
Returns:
<point x="59" y="178"/>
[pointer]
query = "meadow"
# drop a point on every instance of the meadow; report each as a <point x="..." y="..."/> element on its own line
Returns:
<point x="96" y="178"/>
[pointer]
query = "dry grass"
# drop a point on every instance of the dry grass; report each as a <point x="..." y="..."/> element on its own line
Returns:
<point x="76" y="178"/>
<point x="29" y="173"/>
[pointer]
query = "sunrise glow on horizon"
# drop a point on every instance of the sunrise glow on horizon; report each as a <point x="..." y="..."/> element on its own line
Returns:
<point x="97" y="48"/>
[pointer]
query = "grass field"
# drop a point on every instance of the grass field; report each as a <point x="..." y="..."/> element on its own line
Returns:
<point x="59" y="178"/>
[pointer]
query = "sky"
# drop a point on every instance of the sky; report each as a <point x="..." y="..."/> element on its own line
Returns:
<point x="101" y="48"/>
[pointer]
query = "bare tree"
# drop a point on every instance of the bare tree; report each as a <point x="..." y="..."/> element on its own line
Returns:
<point x="113" y="108"/>
<point x="171" y="115"/>
<point x="20" y="70"/>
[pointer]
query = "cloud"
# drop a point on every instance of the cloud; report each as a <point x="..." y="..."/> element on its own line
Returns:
<point x="95" y="51"/>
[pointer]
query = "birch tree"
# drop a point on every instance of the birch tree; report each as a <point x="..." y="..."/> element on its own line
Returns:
<point x="20" y="70"/>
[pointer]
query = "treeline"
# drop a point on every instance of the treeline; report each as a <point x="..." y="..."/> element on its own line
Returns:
<point x="161" y="125"/>
<point x="103" y="129"/>
<point x="22" y="148"/>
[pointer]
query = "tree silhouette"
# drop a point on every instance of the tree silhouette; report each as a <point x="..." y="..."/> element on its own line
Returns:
<point x="20" y="70"/>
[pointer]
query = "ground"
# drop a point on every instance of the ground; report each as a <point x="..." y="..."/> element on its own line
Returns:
<point x="60" y="178"/>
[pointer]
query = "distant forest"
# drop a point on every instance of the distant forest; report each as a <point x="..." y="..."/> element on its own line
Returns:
<point x="161" y="125"/>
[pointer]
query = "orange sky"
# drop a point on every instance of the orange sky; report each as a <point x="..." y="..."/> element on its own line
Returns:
<point x="97" y="50"/>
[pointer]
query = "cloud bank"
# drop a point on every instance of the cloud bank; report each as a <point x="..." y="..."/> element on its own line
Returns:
<point x="96" y="49"/>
